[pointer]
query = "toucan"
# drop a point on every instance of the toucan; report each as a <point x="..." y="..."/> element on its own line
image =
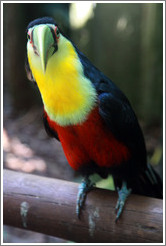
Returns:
<point x="89" y="115"/>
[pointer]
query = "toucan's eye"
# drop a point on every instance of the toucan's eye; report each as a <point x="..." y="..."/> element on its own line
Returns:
<point x="57" y="32"/>
<point x="28" y="36"/>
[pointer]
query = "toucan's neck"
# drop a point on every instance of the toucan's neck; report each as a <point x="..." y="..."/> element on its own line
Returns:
<point x="68" y="96"/>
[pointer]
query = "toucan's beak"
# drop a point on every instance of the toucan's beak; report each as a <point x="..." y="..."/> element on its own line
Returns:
<point x="44" y="44"/>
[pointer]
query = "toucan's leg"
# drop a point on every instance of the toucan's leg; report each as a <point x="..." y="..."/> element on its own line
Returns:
<point x="123" y="193"/>
<point x="84" y="187"/>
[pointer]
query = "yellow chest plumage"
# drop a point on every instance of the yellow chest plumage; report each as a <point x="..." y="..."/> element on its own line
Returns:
<point x="68" y="96"/>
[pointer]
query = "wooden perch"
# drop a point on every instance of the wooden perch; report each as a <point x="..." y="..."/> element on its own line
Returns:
<point x="48" y="206"/>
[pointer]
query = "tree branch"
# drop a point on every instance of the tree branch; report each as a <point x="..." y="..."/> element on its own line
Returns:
<point x="48" y="206"/>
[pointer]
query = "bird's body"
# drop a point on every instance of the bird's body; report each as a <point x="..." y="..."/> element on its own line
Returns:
<point x="87" y="112"/>
<point x="86" y="145"/>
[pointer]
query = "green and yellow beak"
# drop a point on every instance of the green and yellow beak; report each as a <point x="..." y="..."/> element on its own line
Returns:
<point x="44" y="44"/>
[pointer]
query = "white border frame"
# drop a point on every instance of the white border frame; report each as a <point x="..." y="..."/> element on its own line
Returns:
<point x="163" y="123"/>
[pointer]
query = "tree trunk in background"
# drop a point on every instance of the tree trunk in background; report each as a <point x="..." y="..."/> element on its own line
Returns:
<point x="151" y="62"/>
<point x="117" y="46"/>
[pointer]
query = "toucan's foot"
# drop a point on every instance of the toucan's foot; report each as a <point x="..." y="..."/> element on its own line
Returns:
<point x="84" y="187"/>
<point x="123" y="193"/>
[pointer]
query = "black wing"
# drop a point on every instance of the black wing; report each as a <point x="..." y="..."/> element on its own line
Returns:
<point x="117" y="112"/>
<point x="119" y="116"/>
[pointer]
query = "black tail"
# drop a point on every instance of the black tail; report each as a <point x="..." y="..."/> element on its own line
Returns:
<point x="148" y="183"/>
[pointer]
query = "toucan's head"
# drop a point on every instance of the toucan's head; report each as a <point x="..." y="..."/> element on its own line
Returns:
<point x="43" y="36"/>
<point x="54" y="64"/>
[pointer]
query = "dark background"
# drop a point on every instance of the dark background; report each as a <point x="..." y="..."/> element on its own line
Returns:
<point x="123" y="40"/>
